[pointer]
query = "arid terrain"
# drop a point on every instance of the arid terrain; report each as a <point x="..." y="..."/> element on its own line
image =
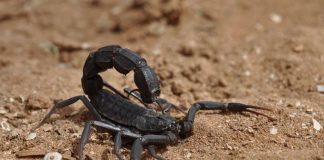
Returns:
<point x="264" y="53"/>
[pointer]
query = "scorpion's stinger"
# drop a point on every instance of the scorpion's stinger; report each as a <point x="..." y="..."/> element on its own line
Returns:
<point x="258" y="113"/>
<point x="238" y="107"/>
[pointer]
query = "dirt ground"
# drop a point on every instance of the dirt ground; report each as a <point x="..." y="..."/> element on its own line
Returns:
<point x="265" y="53"/>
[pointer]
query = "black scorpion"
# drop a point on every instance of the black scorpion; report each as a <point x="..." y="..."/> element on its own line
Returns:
<point x="123" y="118"/>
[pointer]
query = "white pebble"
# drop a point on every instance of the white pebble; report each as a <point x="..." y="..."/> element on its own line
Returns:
<point x="276" y="18"/>
<point x="11" y="99"/>
<point x="31" y="136"/>
<point x="273" y="130"/>
<point x="258" y="50"/>
<point x="298" y="104"/>
<point x="3" y="110"/>
<point x="317" y="126"/>
<point x="53" y="156"/>
<point x="247" y="73"/>
<point x="320" y="88"/>
<point x="292" y="115"/>
<point x="272" y="76"/>
<point x="85" y="46"/>
<point x="5" y="126"/>
<point x="188" y="155"/>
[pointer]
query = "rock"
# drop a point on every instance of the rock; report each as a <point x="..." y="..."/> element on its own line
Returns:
<point x="309" y="110"/>
<point x="3" y="110"/>
<point x="188" y="155"/>
<point x="320" y="88"/>
<point x="298" y="48"/>
<point x="53" y="156"/>
<point x="292" y="115"/>
<point x="31" y="136"/>
<point x="273" y="130"/>
<point x="317" y="126"/>
<point x="276" y="18"/>
<point x="11" y="99"/>
<point x="5" y="125"/>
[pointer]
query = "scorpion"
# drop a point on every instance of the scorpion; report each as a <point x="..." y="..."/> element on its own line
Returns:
<point x="144" y="127"/>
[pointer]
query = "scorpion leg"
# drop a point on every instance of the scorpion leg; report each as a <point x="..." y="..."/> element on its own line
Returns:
<point x="138" y="144"/>
<point x="152" y="152"/>
<point x="232" y="107"/>
<point x="117" y="145"/>
<point x="68" y="102"/>
<point x="110" y="127"/>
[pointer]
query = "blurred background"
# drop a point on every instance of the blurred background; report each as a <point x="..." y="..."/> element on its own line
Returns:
<point x="266" y="53"/>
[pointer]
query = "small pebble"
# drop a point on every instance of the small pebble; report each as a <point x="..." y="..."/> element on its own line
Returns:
<point x="21" y="99"/>
<point x="85" y="46"/>
<point x="292" y="115"/>
<point x="309" y="110"/>
<point x="298" y="48"/>
<point x="247" y="73"/>
<point x="229" y="147"/>
<point x="298" y="104"/>
<point x="317" y="126"/>
<point x="272" y="76"/>
<point x="188" y="155"/>
<point x="11" y="99"/>
<point x="3" y="110"/>
<point x="320" y="88"/>
<point x="257" y="50"/>
<point x="5" y="126"/>
<point x="273" y="130"/>
<point x="47" y="127"/>
<point x="31" y="136"/>
<point x="53" y="156"/>
<point x="276" y="18"/>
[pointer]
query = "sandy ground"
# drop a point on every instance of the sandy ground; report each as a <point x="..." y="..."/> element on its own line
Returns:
<point x="265" y="53"/>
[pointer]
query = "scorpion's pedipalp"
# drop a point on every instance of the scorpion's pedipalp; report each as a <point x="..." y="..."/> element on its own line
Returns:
<point x="132" y="92"/>
<point x="166" y="106"/>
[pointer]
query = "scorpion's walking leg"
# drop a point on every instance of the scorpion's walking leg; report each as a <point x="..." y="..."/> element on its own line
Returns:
<point x="151" y="150"/>
<point x="110" y="127"/>
<point x="117" y="145"/>
<point x="232" y="107"/>
<point x="138" y="144"/>
<point x="68" y="102"/>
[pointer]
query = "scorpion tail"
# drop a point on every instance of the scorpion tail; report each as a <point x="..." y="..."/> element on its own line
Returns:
<point x="232" y="107"/>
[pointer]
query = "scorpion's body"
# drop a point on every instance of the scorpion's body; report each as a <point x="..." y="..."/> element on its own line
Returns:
<point x="127" y="113"/>
<point x="122" y="117"/>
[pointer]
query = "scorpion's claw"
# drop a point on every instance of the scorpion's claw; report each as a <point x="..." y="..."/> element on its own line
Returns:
<point x="239" y="107"/>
